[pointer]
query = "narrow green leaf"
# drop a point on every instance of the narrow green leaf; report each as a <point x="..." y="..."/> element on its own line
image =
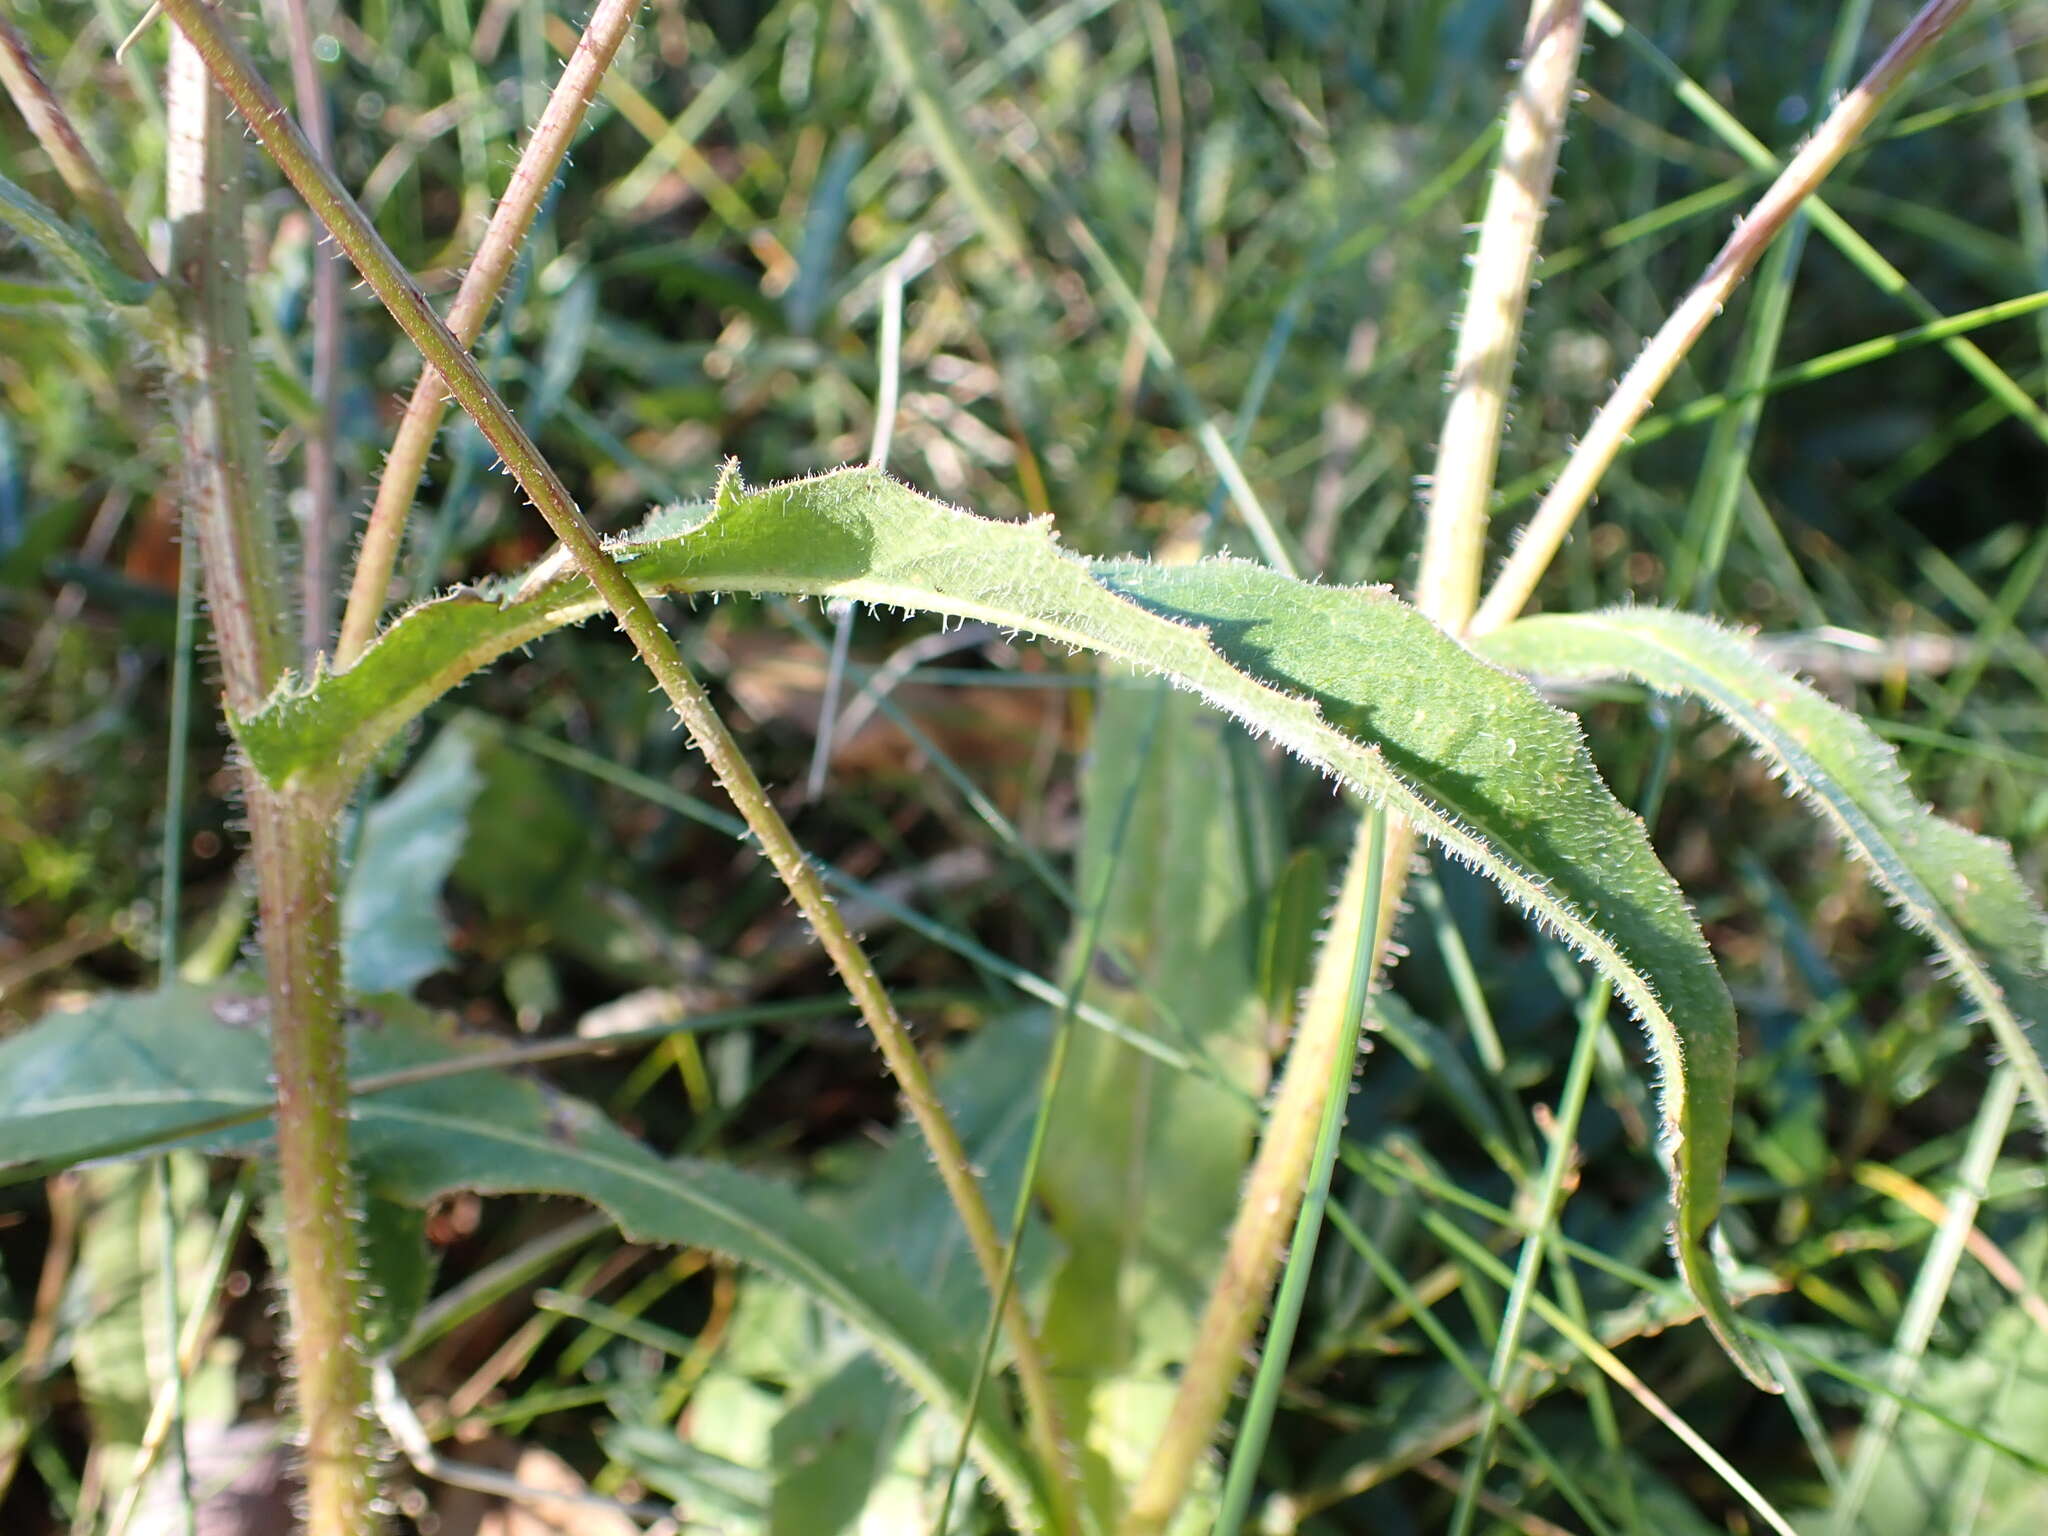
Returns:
<point x="1351" y="680"/>
<point x="186" y="1061"/>
<point x="913" y="62"/>
<point x="1142" y="1164"/>
<point x="71" y="253"/>
<point x="1961" y="890"/>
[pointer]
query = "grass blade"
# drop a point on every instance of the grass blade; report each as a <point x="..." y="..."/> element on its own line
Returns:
<point x="1308" y="1220"/>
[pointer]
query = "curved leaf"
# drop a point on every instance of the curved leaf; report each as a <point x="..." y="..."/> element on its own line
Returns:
<point x="1961" y="890"/>
<point x="1349" y="679"/>
<point x="193" y="1063"/>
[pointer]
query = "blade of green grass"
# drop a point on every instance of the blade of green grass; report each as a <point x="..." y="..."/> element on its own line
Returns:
<point x="1930" y="1294"/>
<point x="1090" y="937"/>
<point x="1257" y="1423"/>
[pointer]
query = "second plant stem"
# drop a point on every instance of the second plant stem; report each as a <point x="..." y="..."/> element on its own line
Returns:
<point x="237" y="76"/>
<point x="233" y="518"/>
<point x="1376" y="877"/>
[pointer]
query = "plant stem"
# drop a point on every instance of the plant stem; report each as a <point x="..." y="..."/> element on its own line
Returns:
<point x="1454" y="540"/>
<point x="1308" y="1222"/>
<point x="406" y="463"/>
<point x="214" y="394"/>
<point x="1265" y="1213"/>
<point x="272" y="125"/>
<point x="1358" y="932"/>
<point x="53" y="130"/>
<point x="232" y="516"/>
<point x="1538" y="542"/>
<point x="301" y="936"/>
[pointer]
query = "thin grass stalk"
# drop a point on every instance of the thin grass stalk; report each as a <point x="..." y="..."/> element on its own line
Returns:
<point x="1272" y="546"/>
<point x="1462" y="1244"/>
<point x="194" y="1332"/>
<point x="174" y="1376"/>
<point x="1265" y="1215"/>
<point x="1301" y="1251"/>
<point x="889" y="370"/>
<point x="260" y="108"/>
<point x="234" y="520"/>
<point x="1380" y="864"/>
<point x="1929" y="1294"/>
<point x="1285" y="1512"/>
<point x="1549" y="1197"/>
<point x="23" y="80"/>
<point x="1712" y="407"/>
<point x="1539" y="541"/>
<point x="322" y="471"/>
<point x="1166" y="95"/>
<point x="406" y="464"/>
<point x="2006" y="393"/>
<point x="170" y="901"/>
<point x="1389" y="1170"/>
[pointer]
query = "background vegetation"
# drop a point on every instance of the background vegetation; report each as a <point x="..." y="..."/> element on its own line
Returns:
<point x="1285" y="189"/>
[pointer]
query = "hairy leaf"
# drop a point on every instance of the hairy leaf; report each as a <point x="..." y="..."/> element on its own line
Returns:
<point x="1349" y="679"/>
<point x="1961" y="890"/>
<point x="191" y="1066"/>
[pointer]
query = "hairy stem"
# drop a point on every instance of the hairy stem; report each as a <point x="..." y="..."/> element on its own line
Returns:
<point x="233" y="518"/>
<point x="272" y="125"/>
<point x="1454" y="551"/>
<point x="1454" y="539"/>
<point x="1538" y="542"/>
<point x="301" y="936"/>
<point x="406" y="463"/>
<point x="213" y="388"/>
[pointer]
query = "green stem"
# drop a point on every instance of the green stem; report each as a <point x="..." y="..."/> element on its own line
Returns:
<point x="1308" y="1223"/>
<point x="233" y="516"/>
<point x="272" y="125"/>
<point x="1710" y="521"/>
<point x="301" y="937"/>
<point x="1379" y="863"/>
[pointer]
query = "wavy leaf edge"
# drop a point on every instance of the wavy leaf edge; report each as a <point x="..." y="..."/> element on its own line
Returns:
<point x="1915" y="856"/>
<point x="321" y="733"/>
